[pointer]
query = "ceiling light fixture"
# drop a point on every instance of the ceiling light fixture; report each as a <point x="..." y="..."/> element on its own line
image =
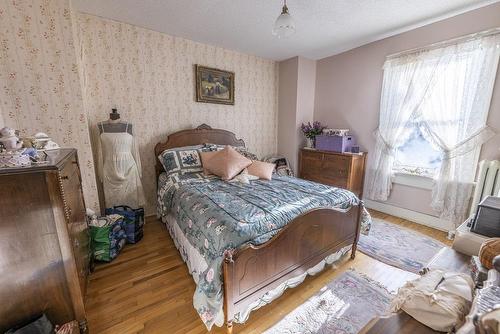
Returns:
<point x="284" y="26"/>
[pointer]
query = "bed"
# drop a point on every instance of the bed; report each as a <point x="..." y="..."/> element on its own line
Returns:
<point x="246" y="244"/>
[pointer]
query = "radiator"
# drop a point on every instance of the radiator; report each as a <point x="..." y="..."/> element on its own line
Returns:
<point x="487" y="184"/>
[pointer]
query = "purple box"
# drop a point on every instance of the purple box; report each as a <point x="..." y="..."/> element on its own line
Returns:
<point x="335" y="143"/>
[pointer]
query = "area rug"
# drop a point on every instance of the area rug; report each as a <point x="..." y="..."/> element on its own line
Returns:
<point x="345" y="305"/>
<point x="398" y="246"/>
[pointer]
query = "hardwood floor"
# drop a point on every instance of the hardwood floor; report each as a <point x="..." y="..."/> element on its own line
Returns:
<point x="148" y="289"/>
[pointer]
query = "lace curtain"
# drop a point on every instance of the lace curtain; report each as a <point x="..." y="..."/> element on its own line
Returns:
<point x="447" y="92"/>
<point x="402" y="95"/>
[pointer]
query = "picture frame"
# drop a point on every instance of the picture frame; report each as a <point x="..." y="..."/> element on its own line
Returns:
<point x="214" y="85"/>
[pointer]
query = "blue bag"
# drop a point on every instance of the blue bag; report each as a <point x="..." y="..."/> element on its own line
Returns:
<point x="133" y="221"/>
<point x="107" y="237"/>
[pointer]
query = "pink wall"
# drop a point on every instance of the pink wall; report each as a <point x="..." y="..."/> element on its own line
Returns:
<point x="348" y="89"/>
<point x="287" y="106"/>
<point x="2" y="122"/>
<point x="297" y="81"/>
<point x="306" y="89"/>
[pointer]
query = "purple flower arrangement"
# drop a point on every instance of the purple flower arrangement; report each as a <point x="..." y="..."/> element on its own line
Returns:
<point x="311" y="131"/>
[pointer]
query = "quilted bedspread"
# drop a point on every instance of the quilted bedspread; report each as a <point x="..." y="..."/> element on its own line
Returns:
<point x="217" y="216"/>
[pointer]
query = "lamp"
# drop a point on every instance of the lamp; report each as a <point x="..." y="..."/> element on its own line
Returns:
<point x="284" y="26"/>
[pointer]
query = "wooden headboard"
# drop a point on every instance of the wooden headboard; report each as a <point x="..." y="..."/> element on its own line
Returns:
<point x="201" y="135"/>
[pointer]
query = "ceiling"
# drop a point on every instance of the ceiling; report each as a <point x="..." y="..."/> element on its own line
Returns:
<point x="324" y="27"/>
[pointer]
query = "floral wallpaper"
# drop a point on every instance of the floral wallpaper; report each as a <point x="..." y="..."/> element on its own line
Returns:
<point x="47" y="84"/>
<point x="39" y="83"/>
<point x="149" y="77"/>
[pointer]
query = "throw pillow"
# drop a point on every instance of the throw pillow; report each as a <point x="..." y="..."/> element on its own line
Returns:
<point x="261" y="169"/>
<point x="205" y="156"/>
<point x="181" y="160"/>
<point x="227" y="163"/>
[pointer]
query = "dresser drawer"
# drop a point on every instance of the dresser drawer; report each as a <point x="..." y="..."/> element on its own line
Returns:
<point x="80" y="242"/>
<point x="338" y="182"/>
<point x="312" y="160"/>
<point x="342" y="170"/>
<point x="312" y="154"/>
<point x="72" y="194"/>
<point x="336" y="166"/>
<point x="74" y="209"/>
<point x="69" y="169"/>
<point x="331" y="181"/>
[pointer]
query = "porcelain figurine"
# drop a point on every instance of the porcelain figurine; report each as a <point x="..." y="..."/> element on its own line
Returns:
<point x="9" y="139"/>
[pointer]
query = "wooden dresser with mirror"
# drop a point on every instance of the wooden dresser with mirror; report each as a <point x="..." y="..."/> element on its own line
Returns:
<point x="343" y="170"/>
<point x="44" y="242"/>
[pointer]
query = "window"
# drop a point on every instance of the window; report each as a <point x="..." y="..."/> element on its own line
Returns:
<point x="445" y="91"/>
<point x="440" y="109"/>
<point x="417" y="156"/>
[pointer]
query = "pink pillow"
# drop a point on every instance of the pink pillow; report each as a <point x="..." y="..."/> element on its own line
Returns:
<point x="205" y="156"/>
<point x="261" y="169"/>
<point x="226" y="163"/>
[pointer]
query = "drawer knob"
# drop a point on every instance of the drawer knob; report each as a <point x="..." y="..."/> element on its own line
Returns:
<point x="64" y="177"/>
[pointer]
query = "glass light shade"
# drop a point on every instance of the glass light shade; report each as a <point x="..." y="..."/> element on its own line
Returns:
<point x="284" y="26"/>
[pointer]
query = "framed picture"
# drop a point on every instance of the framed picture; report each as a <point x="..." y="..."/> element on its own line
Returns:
<point x="214" y="86"/>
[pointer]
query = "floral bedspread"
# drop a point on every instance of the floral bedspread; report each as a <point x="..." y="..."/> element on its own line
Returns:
<point x="218" y="216"/>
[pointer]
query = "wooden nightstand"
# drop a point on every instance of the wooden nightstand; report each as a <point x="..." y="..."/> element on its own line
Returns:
<point x="343" y="170"/>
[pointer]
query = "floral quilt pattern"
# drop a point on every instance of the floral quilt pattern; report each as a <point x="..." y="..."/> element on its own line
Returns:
<point x="217" y="216"/>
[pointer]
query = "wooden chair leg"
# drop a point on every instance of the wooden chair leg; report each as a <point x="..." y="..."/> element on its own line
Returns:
<point x="229" y="327"/>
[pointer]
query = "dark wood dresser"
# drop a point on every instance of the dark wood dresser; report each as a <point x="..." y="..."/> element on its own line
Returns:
<point x="44" y="242"/>
<point x="343" y="170"/>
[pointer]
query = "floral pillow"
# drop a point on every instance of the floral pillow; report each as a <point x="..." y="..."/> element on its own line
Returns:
<point x="240" y="149"/>
<point x="181" y="159"/>
<point x="244" y="152"/>
<point x="185" y="159"/>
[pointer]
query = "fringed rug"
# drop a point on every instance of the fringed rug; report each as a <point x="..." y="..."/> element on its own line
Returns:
<point x="398" y="246"/>
<point x="345" y="305"/>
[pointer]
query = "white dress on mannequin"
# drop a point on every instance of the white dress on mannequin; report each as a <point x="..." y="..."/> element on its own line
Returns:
<point x="119" y="167"/>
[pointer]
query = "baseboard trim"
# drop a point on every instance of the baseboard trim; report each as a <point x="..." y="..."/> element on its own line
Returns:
<point x="416" y="217"/>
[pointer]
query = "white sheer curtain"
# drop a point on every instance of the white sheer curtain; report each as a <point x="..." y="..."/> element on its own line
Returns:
<point x="406" y="81"/>
<point x="453" y="117"/>
<point x="447" y="91"/>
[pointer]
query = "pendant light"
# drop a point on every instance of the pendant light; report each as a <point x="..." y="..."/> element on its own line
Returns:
<point x="284" y="26"/>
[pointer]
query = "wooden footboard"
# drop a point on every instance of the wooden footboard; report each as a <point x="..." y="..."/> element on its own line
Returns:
<point x="252" y="271"/>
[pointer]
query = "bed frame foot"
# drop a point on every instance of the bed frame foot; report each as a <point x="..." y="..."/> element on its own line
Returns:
<point x="353" y="252"/>
<point x="229" y="327"/>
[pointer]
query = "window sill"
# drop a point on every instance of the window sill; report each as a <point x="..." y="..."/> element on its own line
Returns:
<point x="415" y="181"/>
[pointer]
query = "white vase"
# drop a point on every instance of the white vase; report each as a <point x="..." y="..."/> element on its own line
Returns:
<point x="309" y="142"/>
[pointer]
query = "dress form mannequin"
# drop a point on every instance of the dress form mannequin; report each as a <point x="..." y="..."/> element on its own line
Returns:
<point x="119" y="163"/>
<point x="114" y="124"/>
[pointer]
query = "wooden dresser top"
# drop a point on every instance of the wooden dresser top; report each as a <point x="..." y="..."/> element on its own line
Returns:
<point x="313" y="150"/>
<point x="56" y="160"/>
